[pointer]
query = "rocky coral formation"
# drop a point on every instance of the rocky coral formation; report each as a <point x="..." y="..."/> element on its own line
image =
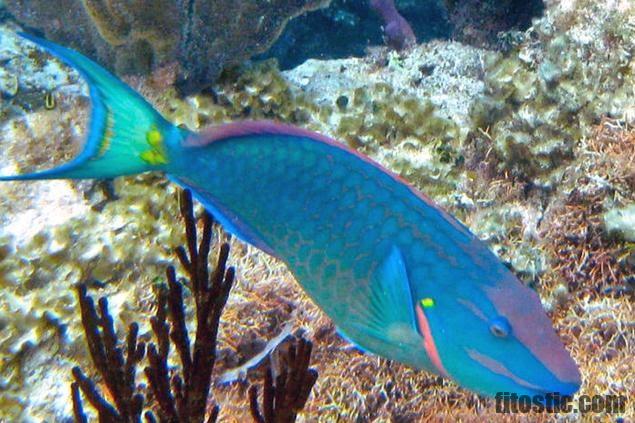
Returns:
<point x="353" y="27"/>
<point x="573" y="67"/>
<point x="407" y="111"/>
<point x="135" y="37"/>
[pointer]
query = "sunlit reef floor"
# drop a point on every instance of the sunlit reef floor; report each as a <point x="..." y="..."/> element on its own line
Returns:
<point x="517" y="145"/>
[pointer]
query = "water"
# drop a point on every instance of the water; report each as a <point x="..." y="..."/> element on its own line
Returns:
<point x="516" y="120"/>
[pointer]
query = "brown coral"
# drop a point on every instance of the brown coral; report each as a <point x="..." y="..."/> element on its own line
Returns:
<point x="136" y="37"/>
<point x="177" y="396"/>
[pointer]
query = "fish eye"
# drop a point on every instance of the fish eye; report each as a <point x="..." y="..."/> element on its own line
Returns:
<point x="499" y="327"/>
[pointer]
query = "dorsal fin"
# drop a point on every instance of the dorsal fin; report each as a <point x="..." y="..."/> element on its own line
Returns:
<point x="227" y="131"/>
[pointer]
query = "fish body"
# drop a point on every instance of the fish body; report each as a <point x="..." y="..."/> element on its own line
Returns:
<point x="399" y="277"/>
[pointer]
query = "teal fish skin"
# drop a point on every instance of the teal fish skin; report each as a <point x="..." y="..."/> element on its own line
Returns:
<point x="399" y="276"/>
<point x="334" y="217"/>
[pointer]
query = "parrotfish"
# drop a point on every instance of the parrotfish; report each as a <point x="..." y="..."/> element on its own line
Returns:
<point x="399" y="276"/>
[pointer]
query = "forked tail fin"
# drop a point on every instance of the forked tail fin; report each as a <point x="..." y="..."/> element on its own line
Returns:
<point x="126" y="135"/>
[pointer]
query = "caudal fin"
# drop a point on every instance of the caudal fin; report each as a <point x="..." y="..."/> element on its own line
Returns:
<point x="126" y="135"/>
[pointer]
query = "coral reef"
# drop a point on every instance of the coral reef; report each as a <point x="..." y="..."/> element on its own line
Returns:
<point x="353" y="28"/>
<point x="515" y="143"/>
<point x="136" y="37"/>
<point x="547" y="94"/>
<point x="183" y="395"/>
<point x="480" y="23"/>
<point x="590" y="259"/>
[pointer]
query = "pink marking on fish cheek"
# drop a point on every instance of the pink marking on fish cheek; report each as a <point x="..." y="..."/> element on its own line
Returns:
<point x="473" y="308"/>
<point x="428" y="342"/>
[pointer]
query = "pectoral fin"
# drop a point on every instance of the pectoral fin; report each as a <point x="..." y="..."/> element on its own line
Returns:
<point x="388" y="314"/>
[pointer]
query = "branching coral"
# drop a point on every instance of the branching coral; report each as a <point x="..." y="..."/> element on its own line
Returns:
<point x="176" y="397"/>
<point x="181" y="394"/>
<point x="118" y="372"/>
<point x="286" y="393"/>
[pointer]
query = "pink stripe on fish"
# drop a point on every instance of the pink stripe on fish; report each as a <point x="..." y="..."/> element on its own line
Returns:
<point x="428" y="342"/>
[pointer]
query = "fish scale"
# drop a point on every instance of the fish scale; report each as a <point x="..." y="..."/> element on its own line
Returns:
<point x="302" y="200"/>
<point x="399" y="276"/>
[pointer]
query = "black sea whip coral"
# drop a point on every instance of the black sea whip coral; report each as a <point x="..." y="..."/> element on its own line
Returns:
<point x="180" y="396"/>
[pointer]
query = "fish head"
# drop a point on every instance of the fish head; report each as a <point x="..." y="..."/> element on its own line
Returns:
<point x="494" y="338"/>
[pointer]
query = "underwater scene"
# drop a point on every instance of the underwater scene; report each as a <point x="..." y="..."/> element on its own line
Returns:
<point x="317" y="210"/>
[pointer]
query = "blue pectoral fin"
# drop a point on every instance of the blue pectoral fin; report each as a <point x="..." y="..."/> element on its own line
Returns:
<point x="388" y="315"/>
<point x="392" y="280"/>
<point x="230" y="221"/>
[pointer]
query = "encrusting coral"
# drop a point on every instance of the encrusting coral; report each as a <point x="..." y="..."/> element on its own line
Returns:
<point x="570" y="69"/>
<point x="480" y="22"/>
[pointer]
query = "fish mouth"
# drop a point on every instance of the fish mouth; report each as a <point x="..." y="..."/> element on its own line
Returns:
<point x="556" y="387"/>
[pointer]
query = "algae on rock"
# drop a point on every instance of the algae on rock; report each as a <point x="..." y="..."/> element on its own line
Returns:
<point x="573" y="67"/>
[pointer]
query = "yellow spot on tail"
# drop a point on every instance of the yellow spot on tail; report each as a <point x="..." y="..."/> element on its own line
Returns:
<point x="427" y="303"/>
<point x="154" y="138"/>
<point x="156" y="155"/>
<point x="153" y="157"/>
